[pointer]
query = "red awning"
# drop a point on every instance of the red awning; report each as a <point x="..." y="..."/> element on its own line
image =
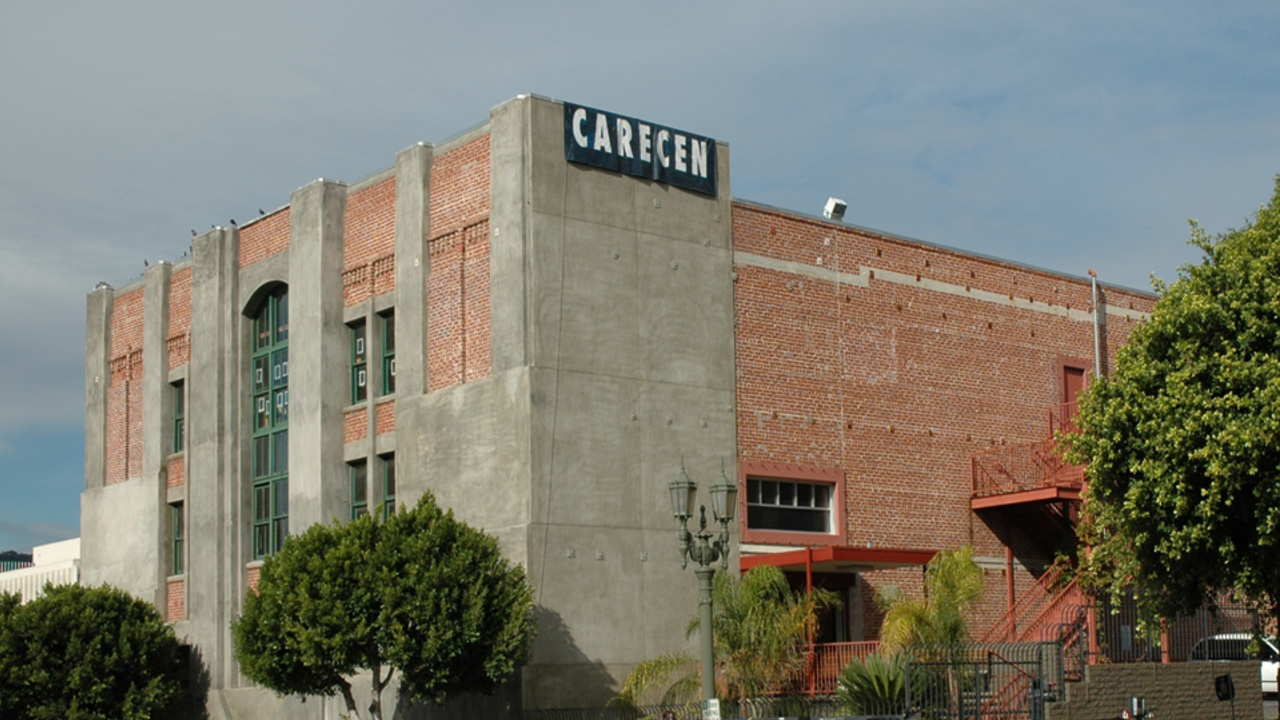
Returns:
<point x="839" y="559"/>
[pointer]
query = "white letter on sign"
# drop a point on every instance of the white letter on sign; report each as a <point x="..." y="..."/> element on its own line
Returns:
<point x="680" y="153"/>
<point x="624" y="138"/>
<point x="698" y="154"/>
<point x="579" y="117"/>
<point x="602" y="134"/>
<point x="645" y="143"/>
<point x="660" y="144"/>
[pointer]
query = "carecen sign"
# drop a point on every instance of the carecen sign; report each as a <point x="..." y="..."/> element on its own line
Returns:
<point x="643" y="149"/>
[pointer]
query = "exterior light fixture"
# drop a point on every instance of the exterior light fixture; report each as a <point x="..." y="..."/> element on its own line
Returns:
<point x="834" y="209"/>
<point x="706" y="551"/>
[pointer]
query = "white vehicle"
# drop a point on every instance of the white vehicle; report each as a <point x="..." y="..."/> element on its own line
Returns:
<point x="1235" y="646"/>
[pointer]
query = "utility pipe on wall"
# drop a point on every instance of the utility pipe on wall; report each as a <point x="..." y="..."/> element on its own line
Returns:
<point x="1097" y="339"/>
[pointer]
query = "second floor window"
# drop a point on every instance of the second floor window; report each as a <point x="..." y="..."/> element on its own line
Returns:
<point x="179" y="417"/>
<point x="359" y="363"/>
<point x="388" y="353"/>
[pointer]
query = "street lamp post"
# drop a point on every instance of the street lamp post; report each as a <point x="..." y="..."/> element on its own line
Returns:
<point x="705" y="552"/>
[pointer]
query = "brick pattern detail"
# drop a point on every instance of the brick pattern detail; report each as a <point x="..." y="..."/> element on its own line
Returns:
<point x="385" y="417"/>
<point x="124" y="393"/>
<point x="369" y="234"/>
<point x="898" y="384"/>
<point x="355" y="425"/>
<point x="1182" y="690"/>
<point x="179" y="340"/>
<point x="177" y="471"/>
<point x="376" y="277"/>
<point x="176" y="600"/>
<point x="264" y="238"/>
<point x="251" y="577"/>
<point x="458" y="321"/>
<point x="460" y="187"/>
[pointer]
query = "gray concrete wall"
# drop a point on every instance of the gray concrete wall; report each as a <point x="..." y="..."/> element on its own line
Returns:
<point x="628" y="326"/>
<point x="1176" y="690"/>
<point x="97" y="376"/>
<point x="318" y="357"/>
<point x="156" y="411"/>
<point x="216" y="541"/>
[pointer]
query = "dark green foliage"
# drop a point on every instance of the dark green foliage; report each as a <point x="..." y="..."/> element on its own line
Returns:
<point x="1182" y="441"/>
<point x="875" y="685"/>
<point x="422" y="594"/>
<point x="78" y="653"/>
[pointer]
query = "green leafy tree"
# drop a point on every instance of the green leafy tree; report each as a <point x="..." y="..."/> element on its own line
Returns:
<point x="87" y="653"/>
<point x="953" y="583"/>
<point x="1182" y="441"/>
<point x="422" y="598"/>
<point x="761" y="629"/>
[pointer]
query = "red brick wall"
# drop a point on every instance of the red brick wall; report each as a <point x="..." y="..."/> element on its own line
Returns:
<point x="458" y="339"/>
<point x="460" y="187"/>
<point x="177" y="471"/>
<point x="458" y="332"/>
<point x="266" y="237"/>
<point x="895" y="383"/>
<point x="369" y="234"/>
<point x="251" y="577"/>
<point x="176" y="598"/>
<point x="124" y="394"/>
<point x="179" y="340"/>
<point x="385" y="417"/>
<point x="355" y="425"/>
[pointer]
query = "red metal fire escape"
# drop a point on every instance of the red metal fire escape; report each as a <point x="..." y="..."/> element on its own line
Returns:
<point x="1029" y="484"/>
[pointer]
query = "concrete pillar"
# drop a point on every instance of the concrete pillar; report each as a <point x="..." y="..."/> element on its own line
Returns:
<point x="509" y="219"/>
<point x="215" y="536"/>
<point x="318" y="355"/>
<point x="96" y="379"/>
<point x="156" y="409"/>
<point x="413" y="267"/>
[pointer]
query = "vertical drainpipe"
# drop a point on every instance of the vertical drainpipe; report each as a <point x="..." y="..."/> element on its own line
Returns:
<point x="1091" y="621"/>
<point x="1097" y="341"/>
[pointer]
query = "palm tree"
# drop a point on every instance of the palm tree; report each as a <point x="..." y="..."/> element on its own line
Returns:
<point x="761" y="631"/>
<point x="952" y="583"/>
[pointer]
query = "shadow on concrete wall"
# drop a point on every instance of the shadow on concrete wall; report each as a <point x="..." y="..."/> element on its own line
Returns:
<point x="563" y="677"/>
<point x="196" y="689"/>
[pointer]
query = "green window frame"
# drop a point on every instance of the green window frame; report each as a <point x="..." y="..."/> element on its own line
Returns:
<point x="269" y="390"/>
<point x="179" y="525"/>
<point x="179" y="416"/>
<point x="359" y="489"/>
<point x="388" y="352"/>
<point x="359" y="362"/>
<point x="388" y="485"/>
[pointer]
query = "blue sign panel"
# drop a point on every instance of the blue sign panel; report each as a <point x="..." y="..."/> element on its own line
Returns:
<point x="636" y="147"/>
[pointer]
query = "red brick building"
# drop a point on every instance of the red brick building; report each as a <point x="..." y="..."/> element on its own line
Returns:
<point x="542" y="343"/>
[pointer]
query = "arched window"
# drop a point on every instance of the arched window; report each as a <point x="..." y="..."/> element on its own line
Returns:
<point x="269" y="385"/>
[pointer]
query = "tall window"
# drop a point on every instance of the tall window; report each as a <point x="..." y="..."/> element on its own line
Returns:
<point x="175" y="513"/>
<point x="359" y="489"/>
<point x="270" y="387"/>
<point x="388" y="485"/>
<point x="388" y="352"/>
<point x="359" y="363"/>
<point x="179" y="417"/>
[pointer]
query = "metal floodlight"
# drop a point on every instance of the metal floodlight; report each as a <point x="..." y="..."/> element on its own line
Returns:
<point x="684" y="493"/>
<point x="834" y="209"/>
<point x="724" y="498"/>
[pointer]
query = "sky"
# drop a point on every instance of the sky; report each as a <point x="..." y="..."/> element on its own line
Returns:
<point x="1063" y="135"/>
